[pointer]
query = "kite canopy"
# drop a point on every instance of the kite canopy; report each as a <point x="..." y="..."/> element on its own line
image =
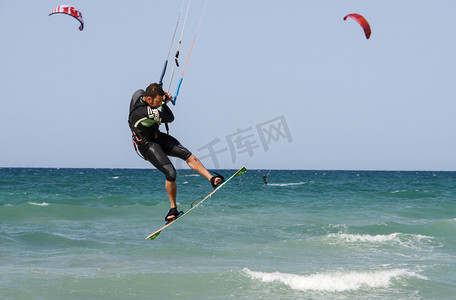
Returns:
<point x="71" y="11"/>
<point x="362" y="21"/>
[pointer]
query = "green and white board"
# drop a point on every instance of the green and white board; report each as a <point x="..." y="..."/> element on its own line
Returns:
<point x="153" y="235"/>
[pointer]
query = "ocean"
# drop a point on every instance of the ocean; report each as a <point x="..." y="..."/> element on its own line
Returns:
<point x="79" y="234"/>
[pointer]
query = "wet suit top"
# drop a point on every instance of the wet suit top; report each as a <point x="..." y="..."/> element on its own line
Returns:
<point x="144" y="120"/>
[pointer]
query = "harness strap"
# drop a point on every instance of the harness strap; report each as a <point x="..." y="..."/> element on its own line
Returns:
<point x="134" y="138"/>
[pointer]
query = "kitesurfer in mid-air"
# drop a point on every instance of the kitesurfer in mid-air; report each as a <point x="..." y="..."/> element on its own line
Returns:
<point x="155" y="146"/>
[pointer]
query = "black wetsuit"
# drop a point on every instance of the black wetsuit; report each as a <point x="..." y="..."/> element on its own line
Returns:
<point x="153" y="144"/>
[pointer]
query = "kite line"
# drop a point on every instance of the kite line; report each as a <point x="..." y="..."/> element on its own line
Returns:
<point x="172" y="42"/>
<point x="176" y="57"/>
<point x="190" y="52"/>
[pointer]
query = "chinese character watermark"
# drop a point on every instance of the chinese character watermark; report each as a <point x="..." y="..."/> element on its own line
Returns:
<point x="245" y="141"/>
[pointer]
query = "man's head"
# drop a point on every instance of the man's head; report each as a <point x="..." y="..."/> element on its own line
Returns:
<point x="154" y="95"/>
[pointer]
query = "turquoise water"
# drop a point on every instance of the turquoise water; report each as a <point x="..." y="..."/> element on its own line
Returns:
<point x="79" y="234"/>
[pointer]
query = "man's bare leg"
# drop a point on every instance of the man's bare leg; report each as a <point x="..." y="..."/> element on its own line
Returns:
<point x="171" y="189"/>
<point x="196" y="165"/>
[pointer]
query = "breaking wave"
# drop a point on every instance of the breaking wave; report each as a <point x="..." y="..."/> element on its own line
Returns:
<point x="335" y="281"/>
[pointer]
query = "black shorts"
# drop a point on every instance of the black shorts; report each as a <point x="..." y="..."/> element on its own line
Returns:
<point x="157" y="153"/>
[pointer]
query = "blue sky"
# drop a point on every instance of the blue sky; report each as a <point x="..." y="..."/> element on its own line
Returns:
<point x="277" y="84"/>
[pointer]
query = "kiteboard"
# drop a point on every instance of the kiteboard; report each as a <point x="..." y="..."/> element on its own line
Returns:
<point x="153" y="235"/>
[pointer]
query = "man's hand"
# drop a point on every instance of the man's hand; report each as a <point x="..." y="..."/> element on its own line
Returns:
<point x="168" y="97"/>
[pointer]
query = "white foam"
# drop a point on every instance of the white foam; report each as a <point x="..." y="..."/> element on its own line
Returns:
<point x="286" y="184"/>
<point x="364" y="238"/>
<point x="398" y="191"/>
<point x="191" y="175"/>
<point x="38" y="204"/>
<point x="403" y="239"/>
<point x="336" y="281"/>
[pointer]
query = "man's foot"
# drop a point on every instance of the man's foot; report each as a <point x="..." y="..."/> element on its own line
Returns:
<point x="217" y="180"/>
<point x="172" y="215"/>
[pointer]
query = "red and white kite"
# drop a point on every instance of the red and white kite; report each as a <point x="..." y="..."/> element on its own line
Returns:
<point x="71" y="11"/>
